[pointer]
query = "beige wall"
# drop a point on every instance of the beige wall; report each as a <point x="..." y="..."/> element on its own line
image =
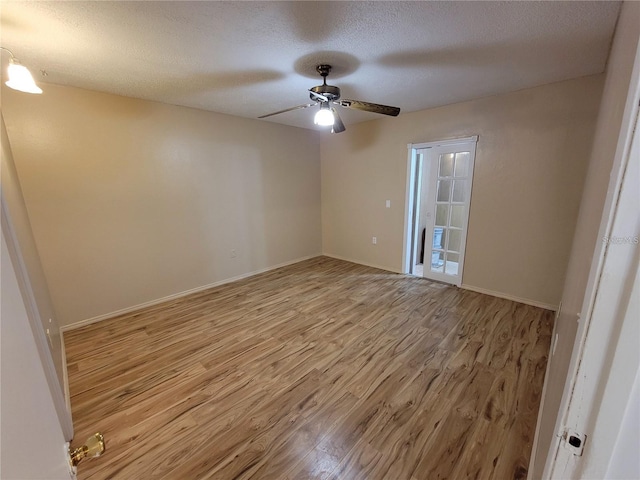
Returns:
<point x="132" y="201"/>
<point x="614" y="96"/>
<point x="531" y="161"/>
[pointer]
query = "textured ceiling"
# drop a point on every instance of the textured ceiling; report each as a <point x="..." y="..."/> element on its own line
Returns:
<point x="252" y="58"/>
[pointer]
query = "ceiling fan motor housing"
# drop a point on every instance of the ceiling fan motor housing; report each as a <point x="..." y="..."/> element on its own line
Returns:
<point x="331" y="92"/>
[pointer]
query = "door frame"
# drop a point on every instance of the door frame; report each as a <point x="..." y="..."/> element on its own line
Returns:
<point x="411" y="200"/>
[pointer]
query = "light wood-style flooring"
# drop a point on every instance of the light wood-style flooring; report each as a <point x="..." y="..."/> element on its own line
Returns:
<point x="320" y="370"/>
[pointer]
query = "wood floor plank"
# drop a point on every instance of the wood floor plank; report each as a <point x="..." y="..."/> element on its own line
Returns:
<point x="319" y="370"/>
<point x="302" y="440"/>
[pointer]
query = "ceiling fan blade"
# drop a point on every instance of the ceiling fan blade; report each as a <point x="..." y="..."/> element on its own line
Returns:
<point x="369" y="107"/>
<point x="320" y="97"/>
<point x="338" y="126"/>
<point x="307" y="105"/>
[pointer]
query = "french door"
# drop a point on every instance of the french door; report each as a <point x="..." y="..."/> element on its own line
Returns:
<point x="443" y="189"/>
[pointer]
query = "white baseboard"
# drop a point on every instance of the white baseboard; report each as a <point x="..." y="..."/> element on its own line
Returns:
<point x="338" y="257"/>
<point x="123" y="311"/>
<point x="506" y="296"/>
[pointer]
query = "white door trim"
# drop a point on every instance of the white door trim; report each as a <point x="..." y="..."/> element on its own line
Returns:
<point x="444" y="143"/>
<point x="407" y="242"/>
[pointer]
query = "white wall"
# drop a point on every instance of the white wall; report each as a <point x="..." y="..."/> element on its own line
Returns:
<point x="31" y="439"/>
<point x="531" y="161"/>
<point x="619" y="69"/>
<point x="131" y="201"/>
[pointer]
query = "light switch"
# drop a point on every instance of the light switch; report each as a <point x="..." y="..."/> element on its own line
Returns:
<point x="388" y="203"/>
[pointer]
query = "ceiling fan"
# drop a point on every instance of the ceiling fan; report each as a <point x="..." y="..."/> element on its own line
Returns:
<point x="328" y="95"/>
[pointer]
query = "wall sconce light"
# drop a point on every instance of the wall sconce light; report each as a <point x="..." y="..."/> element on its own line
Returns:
<point x="20" y="77"/>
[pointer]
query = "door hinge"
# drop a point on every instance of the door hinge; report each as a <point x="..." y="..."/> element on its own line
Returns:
<point x="574" y="441"/>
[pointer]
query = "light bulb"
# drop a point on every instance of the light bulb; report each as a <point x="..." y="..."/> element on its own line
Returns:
<point x="20" y="78"/>
<point x="324" y="117"/>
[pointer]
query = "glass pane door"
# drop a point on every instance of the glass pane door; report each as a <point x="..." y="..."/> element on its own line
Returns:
<point x="449" y="194"/>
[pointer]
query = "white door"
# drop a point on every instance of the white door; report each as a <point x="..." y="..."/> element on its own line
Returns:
<point x="449" y="172"/>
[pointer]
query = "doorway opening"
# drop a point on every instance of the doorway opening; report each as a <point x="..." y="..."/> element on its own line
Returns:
<point x="439" y="182"/>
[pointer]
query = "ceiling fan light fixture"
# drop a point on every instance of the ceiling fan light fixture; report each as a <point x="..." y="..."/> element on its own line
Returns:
<point x="324" y="117"/>
<point x="20" y="78"/>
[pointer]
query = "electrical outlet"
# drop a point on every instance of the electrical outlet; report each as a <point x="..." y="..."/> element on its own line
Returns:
<point x="388" y="204"/>
<point x="232" y="254"/>
<point x="374" y="240"/>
